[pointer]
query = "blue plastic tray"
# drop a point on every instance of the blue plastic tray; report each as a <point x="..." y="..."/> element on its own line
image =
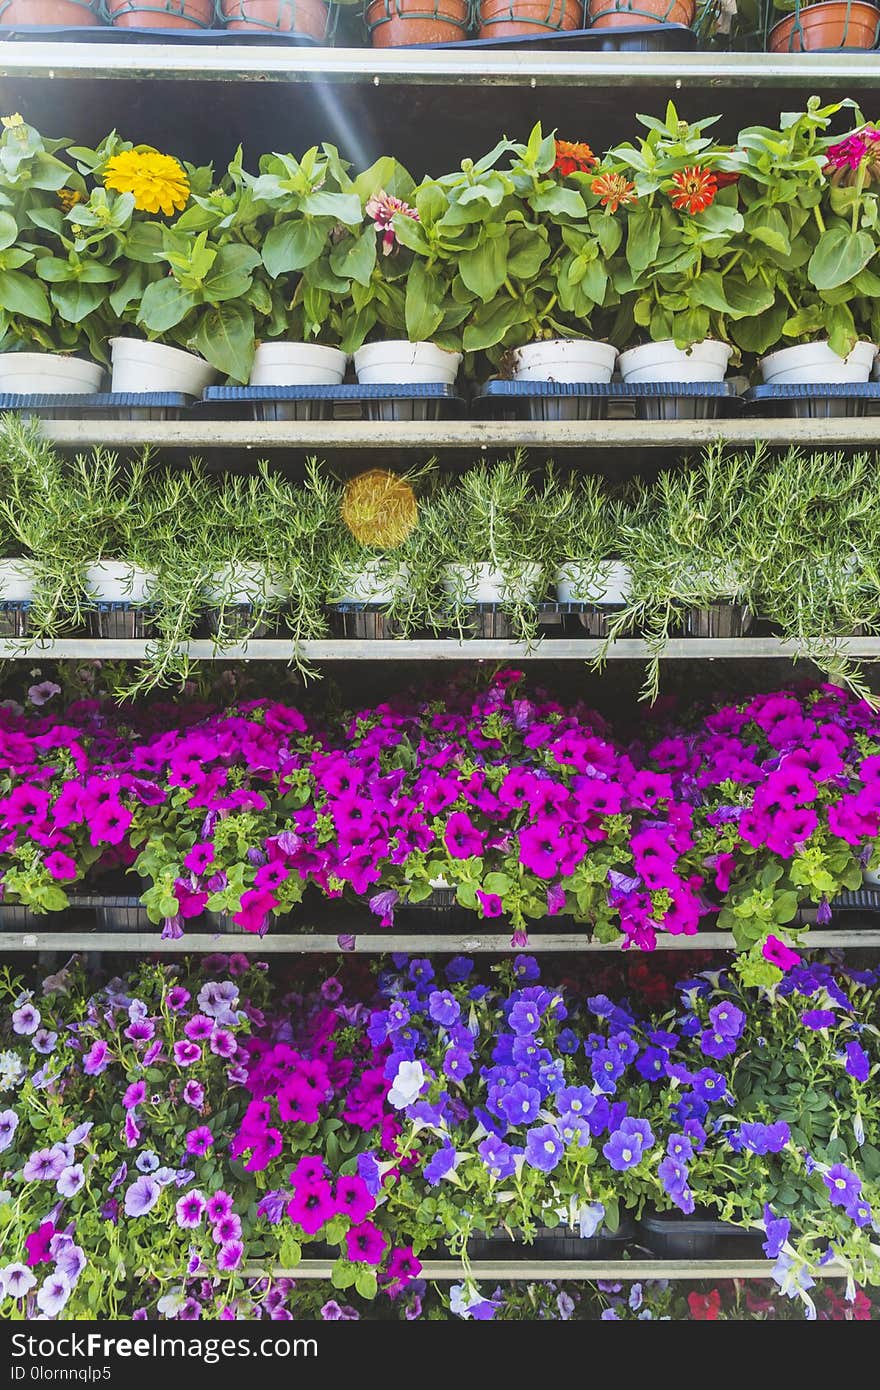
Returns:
<point x="354" y="393"/>
<point x="103" y="400"/>
<point x="612" y="390"/>
<point x="839" y="391"/>
<point x="108" y="33"/>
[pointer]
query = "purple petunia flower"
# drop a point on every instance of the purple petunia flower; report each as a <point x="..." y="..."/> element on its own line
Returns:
<point x="857" y="1061"/>
<point x="544" y="1148"/>
<point x="190" y="1208"/>
<point x="844" y="1186"/>
<point x="142" y="1196"/>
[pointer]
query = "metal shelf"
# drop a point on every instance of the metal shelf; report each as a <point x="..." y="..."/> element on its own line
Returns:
<point x="372" y="943"/>
<point x="435" y="649"/>
<point x="513" y="1270"/>
<point x="410" y="67"/>
<point x="470" y="436"/>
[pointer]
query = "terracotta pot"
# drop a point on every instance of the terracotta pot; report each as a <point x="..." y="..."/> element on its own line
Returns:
<point x="48" y="12"/>
<point x="180" y="14"/>
<point x="285" y="16"/>
<point x="628" y="14"/>
<point x="501" y="19"/>
<point x="400" y="23"/>
<point x="833" y="24"/>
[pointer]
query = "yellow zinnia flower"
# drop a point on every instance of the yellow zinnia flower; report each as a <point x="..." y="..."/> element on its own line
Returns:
<point x="158" y="181"/>
<point x="379" y="508"/>
<point x="10" y="122"/>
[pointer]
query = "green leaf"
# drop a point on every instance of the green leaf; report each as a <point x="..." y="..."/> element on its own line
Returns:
<point x="771" y="229"/>
<point x="839" y="257"/>
<point x="76" y="300"/>
<point x="492" y="322"/>
<point x="225" y="336"/>
<point x="22" y="294"/>
<point x="164" y="305"/>
<point x="130" y="288"/>
<point x="423" y="313"/>
<point x="292" y="245"/>
<point x="529" y="249"/>
<point x="643" y="240"/>
<point x="8" y="230"/>
<point x="484" y="270"/>
<point x="342" y="207"/>
<point x="560" y="202"/>
<point x="355" y="258"/>
<point x="231" y="274"/>
<point x="365" y="1283"/>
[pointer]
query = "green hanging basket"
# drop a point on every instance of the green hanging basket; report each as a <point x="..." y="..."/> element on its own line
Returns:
<point x="67" y="14"/>
<point x="173" y="14"/>
<point x="401" y="23"/>
<point x="313" y="19"/>
<point x="830" y="24"/>
<point x="508" y="18"/>
<point x="627" y="14"/>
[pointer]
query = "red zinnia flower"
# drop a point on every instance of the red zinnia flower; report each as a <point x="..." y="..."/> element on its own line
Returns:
<point x="614" y="191"/>
<point x="573" y="157"/>
<point x="695" y="189"/>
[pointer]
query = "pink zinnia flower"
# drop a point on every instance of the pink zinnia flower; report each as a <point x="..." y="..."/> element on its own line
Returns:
<point x="383" y="208"/>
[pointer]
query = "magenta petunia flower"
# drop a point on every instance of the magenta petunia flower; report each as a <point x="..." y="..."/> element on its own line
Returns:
<point x="60" y="866"/>
<point x="779" y="954"/>
<point x="312" y="1207"/>
<point x="365" y="1244"/>
<point x="199" y="1141"/>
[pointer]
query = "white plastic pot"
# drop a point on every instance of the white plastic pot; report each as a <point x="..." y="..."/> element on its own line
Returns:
<point x="486" y="584"/>
<point x="242" y="581"/>
<point x="663" y="361"/>
<point x="402" y="363"/>
<point x="565" y="360"/>
<point x="815" y="364"/>
<point x="139" y="366"/>
<point x="117" y="581"/>
<point x="607" y="584"/>
<point x="48" y="374"/>
<point x="297" y="364"/>
<point x="369" y="584"/>
<point x="871" y="878"/>
<point x="17" y="581"/>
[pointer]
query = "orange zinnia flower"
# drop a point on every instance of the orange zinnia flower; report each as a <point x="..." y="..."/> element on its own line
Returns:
<point x="695" y="189"/>
<point x="572" y="157"/>
<point x="614" y="191"/>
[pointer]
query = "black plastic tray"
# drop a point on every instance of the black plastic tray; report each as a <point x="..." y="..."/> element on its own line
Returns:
<point x="672" y="1236"/>
<point x="641" y="38"/>
<point x="108" y="33"/>
<point x="554" y="1243"/>
<point x="112" y="405"/>
<point x="819" y="400"/>
<point x="651" y="400"/>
